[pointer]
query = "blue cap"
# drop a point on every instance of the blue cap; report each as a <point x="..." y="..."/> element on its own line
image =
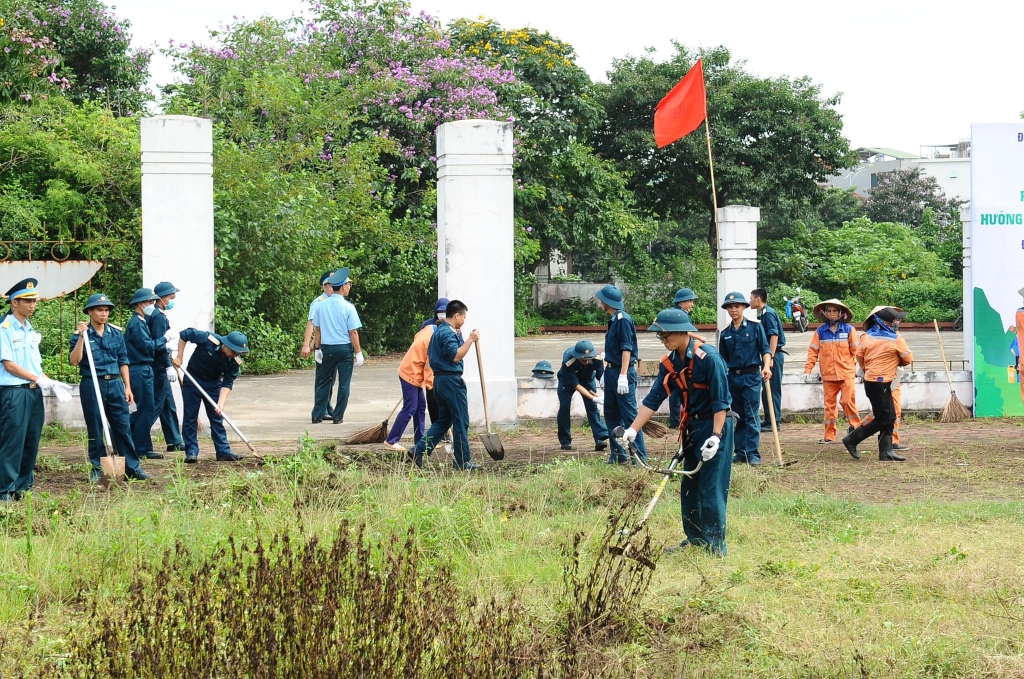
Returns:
<point x="143" y="295"/>
<point x="543" y="370"/>
<point x="584" y="349"/>
<point x="164" y="289"/>
<point x="611" y="296"/>
<point x="735" y="298"/>
<point x="237" y="342"/>
<point x="441" y="305"/>
<point x="97" y="299"/>
<point x="326" y="276"/>
<point x="672" y="320"/>
<point x="684" y="295"/>
<point x="340" y="277"/>
<point x="25" y="289"/>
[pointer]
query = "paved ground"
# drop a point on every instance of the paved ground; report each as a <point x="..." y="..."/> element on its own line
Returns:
<point x="277" y="407"/>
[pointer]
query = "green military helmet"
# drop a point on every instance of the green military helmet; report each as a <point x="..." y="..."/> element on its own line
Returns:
<point x="684" y="295"/>
<point x="143" y="295"/>
<point x="611" y="296"/>
<point x="96" y="300"/>
<point x="735" y="298"/>
<point x="672" y="320"/>
<point x="584" y="350"/>
<point x="237" y="342"/>
<point x="543" y="370"/>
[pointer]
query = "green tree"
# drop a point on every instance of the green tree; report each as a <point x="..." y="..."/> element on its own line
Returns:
<point x="903" y="196"/>
<point x="773" y="139"/>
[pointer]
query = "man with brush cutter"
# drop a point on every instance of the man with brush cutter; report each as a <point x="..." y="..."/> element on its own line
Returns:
<point x="446" y="353"/>
<point x="699" y="375"/>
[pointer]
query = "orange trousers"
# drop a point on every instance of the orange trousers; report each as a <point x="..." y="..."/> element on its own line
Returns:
<point x="833" y="400"/>
<point x="897" y="404"/>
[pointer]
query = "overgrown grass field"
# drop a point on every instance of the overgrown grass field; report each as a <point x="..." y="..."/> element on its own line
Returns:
<point x="816" y="584"/>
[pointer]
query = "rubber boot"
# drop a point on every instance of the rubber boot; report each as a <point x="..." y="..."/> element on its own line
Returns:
<point x="852" y="440"/>
<point x="885" y="453"/>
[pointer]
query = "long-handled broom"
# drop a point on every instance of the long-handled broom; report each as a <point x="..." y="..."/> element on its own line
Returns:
<point x="375" y="434"/>
<point x="955" y="411"/>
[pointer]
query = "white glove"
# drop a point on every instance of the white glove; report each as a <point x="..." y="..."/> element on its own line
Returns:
<point x="628" y="436"/>
<point x="62" y="391"/>
<point x="171" y="335"/>
<point x="710" y="448"/>
<point x="859" y="372"/>
<point x="359" y="358"/>
<point x="599" y="399"/>
<point x="318" y="355"/>
<point x="623" y="385"/>
<point x="44" y="382"/>
<point x="600" y="356"/>
<point x="808" y="378"/>
<point x="172" y="374"/>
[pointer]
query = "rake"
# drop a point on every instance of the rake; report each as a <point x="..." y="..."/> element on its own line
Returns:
<point x="955" y="411"/>
<point x="378" y="433"/>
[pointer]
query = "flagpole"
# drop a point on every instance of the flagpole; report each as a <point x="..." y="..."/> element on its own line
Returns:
<point x="714" y="194"/>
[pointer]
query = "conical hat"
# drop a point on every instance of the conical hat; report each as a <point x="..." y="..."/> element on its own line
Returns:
<point x="845" y="315"/>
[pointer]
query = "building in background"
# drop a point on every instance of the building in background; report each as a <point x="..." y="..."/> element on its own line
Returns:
<point x="949" y="164"/>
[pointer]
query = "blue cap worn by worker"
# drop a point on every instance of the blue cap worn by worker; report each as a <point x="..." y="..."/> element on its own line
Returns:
<point x="236" y="342"/>
<point x="97" y="300"/>
<point x="672" y="320"/>
<point x="584" y="350"/>
<point x="543" y="370"/>
<point x="165" y="288"/>
<point x="611" y="296"/>
<point x="26" y="289"/>
<point x="684" y="295"/>
<point x="143" y="295"/>
<point x="441" y="305"/>
<point x="735" y="298"/>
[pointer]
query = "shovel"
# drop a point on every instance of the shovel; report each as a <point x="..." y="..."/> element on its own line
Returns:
<point x="224" y="416"/>
<point x="111" y="466"/>
<point x="492" y="444"/>
<point x="775" y="429"/>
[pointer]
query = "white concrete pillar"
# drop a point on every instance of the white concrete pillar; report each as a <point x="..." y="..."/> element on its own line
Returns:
<point x="475" y="253"/>
<point x="737" y="247"/>
<point x="177" y="214"/>
<point x="965" y="219"/>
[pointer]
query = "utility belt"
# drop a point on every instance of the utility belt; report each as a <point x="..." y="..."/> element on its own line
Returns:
<point x="116" y="376"/>
<point x="749" y="370"/>
<point x="448" y="372"/>
<point x="27" y="385"/>
<point x="709" y="415"/>
<point x="619" y="364"/>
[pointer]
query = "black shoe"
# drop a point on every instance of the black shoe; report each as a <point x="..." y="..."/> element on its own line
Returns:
<point x="8" y="497"/>
<point x="900" y="446"/>
<point x="228" y="457"/>
<point x="468" y="467"/>
<point x="337" y="421"/>
<point x="152" y="455"/>
<point x="681" y="547"/>
<point x="19" y="495"/>
<point x="414" y="457"/>
<point x="568" y="446"/>
<point x="317" y="420"/>
<point x="738" y="459"/>
<point x="136" y="474"/>
<point x="601" y="445"/>
<point x="191" y="459"/>
<point x="176" y="448"/>
<point x="754" y="461"/>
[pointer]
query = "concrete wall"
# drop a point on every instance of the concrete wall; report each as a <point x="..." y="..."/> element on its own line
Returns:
<point x="556" y="291"/>
<point x="859" y="178"/>
<point x="952" y="174"/>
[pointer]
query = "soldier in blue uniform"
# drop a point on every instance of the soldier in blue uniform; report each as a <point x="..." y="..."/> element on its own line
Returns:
<point x="21" y="392"/>
<point x="164" y="373"/>
<point x="437" y="319"/>
<point x="621" y="352"/>
<point x="685" y="299"/>
<point x="446" y="353"/>
<point x="772" y="325"/>
<point x="337" y="338"/>
<point x="111" y="357"/>
<point x="744" y="347"/>
<point x="580" y="372"/>
<point x="699" y="374"/>
<point x="141" y="347"/>
<point x="214" y="365"/>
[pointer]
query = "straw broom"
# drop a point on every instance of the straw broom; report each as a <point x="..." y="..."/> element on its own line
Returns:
<point x="375" y="434"/>
<point x="656" y="430"/>
<point x="955" y="411"/>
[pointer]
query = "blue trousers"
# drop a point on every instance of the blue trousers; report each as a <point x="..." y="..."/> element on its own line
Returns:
<point x="621" y="410"/>
<point x="146" y="414"/>
<point x="414" y="407"/>
<point x="116" y="409"/>
<point x="339" y="359"/>
<point x="21" y="421"/>
<point x="597" y="427"/>
<point x="703" y="498"/>
<point x="191" y="398"/>
<point x="746" y="398"/>
<point x="163" y="404"/>
<point x="452" y="413"/>
<point x="775" y="383"/>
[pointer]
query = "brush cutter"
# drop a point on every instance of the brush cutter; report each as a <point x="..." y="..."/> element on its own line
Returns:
<point x="224" y="416"/>
<point x="626" y="550"/>
<point x="111" y="466"/>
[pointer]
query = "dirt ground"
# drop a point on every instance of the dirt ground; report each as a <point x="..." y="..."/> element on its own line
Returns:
<point x="977" y="460"/>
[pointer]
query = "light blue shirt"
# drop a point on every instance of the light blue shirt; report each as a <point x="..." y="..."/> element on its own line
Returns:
<point x="313" y="305"/>
<point x="20" y="345"/>
<point x="336" y="317"/>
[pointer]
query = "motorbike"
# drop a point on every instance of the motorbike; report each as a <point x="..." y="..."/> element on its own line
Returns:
<point x="796" y="310"/>
<point x="958" y="324"/>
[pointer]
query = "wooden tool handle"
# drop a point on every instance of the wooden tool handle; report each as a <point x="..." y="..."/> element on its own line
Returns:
<point x="394" y="410"/>
<point x="949" y="378"/>
<point x="775" y="426"/>
<point x="483" y="385"/>
<point x="84" y="337"/>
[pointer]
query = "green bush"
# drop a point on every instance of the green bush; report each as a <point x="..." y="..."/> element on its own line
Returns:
<point x="924" y="300"/>
<point x="572" y="312"/>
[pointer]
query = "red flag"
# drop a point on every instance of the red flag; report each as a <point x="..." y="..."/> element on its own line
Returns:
<point x="683" y="109"/>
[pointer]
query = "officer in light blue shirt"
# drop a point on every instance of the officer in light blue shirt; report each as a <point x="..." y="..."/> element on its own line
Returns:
<point x="337" y="337"/>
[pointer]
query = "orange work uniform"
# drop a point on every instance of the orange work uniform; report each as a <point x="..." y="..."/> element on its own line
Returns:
<point x="835" y="349"/>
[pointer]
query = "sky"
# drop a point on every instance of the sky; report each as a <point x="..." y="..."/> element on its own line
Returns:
<point x="912" y="73"/>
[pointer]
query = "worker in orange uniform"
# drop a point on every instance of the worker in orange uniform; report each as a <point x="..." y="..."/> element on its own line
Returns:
<point x="415" y="375"/>
<point x="897" y="403"/>
<point x="834" y="347"/>
<point x="880" y="353"/>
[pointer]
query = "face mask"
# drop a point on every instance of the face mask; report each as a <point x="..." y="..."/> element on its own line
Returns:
<point x="441" y="316"/>
<point x="170" y="305"/>
<point x="148" y="310"/>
